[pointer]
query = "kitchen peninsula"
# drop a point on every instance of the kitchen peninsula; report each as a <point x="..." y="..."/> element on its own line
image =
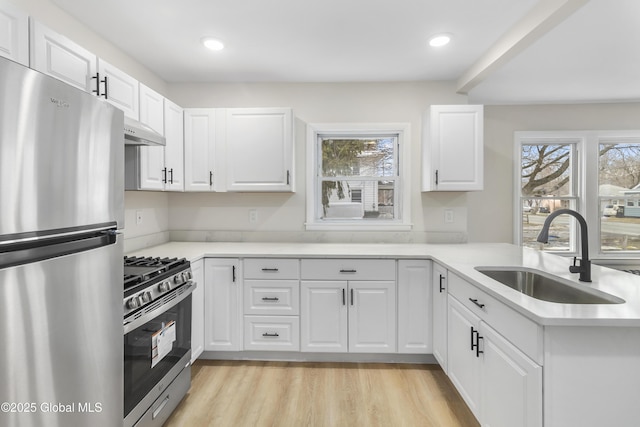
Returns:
<point x="584" y="356"/>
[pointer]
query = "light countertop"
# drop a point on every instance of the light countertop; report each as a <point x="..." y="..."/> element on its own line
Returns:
<point x="462" y="260"/>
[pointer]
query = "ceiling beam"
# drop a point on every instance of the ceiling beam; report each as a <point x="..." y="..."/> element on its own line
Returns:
<point x="541" y="19"/>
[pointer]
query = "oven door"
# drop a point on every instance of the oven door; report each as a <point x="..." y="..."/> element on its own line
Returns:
<point x="157" y="346"/>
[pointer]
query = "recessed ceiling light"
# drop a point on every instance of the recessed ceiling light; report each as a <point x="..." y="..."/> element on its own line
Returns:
<point x="213" y="44"/>
<point x="439" y="40"/>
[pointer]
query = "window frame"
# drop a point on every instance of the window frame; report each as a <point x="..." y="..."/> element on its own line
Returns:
<point x="403" y="188"/>
<point x="587" y="185"/>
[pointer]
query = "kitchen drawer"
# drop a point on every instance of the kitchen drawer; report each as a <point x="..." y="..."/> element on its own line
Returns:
<point x="522" y="332"/>
<point x="279" y="333"/>
<point x="348" y="269"/>
<point x="271" y="268"/>
<point x="272" y="297"/>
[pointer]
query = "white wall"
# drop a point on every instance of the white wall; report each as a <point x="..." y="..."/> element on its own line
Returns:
<point x="491" y="210"/>
<point x="224" y="216"/>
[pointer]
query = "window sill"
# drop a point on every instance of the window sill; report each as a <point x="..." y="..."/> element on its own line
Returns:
<point x="351" y="226"/>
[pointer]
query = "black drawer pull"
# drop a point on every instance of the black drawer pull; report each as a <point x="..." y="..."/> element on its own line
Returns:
<point x="348" y="271"/>
<point x="441" y="280"/>
<point x="273" y="335"/>
<point x="475" y="301"/>
<point x="270" y="269"/>
<point x="270" y="299"/>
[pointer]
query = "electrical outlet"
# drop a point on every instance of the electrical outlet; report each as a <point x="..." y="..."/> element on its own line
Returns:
<point x="138" y="217"/>
<point x="448" y="216"/>
<point x="253" y="216"/>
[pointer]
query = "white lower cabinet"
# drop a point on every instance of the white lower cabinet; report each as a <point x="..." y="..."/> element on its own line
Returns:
<point x="499" y="383"/>
<point x="223" y="304"/>
<point x="439" y="297"/>
<point x="197" y="310"/>
<point x="273" y="333"/>
<point x="414" y="301"/>
<point x="354" y="316"/>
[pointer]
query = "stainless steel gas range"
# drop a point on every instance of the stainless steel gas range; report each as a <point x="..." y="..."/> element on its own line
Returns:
<point x="157" y="338"/>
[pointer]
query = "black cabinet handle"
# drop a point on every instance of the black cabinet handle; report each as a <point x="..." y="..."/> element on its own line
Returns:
<point x="171" y="174"/>
<point x="441" y="281"/>
<point x="275" y="299"/>
<point x="473" y="333"/>
<point x="106" y="88"/>
<point x="288" y="177"/>
<point x="351" y="296"/>
<point x="273" y="335"/>
<point x="210" y="177"/>
<point x="436" y="176"/>
<point x="343" y="297"/>
<point x="97" y="89"/>
<point x="164" y="175"/>
<point x="348" y="271"/>
<point x="475" y="301"/>
<point x="233" y="273"/>
<point x="273" y="270"/>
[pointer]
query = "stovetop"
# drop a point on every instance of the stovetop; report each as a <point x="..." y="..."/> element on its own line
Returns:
<point x="141" y="271"/>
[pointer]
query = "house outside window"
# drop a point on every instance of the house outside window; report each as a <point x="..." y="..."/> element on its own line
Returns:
<point x="354" y="177"/>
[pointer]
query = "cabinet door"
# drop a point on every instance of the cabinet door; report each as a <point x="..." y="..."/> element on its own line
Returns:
<point x="372" y="317"/>
<point x="197" y="311"/>
<point x="414" y="306"/>
<point x="223" y="305"/>
<point x="57" y="56"/>
<point x="439" y="310"/>
<point x="453" y="148"/>
<point x="323" y="316"/>
<point x="511" y="393"/>
<point x="200" y="150"/>
<point x="463" y="362"/>
<point x="174" y="150"/>
<point x="14" y="38"/>
<point x="153" y="174"/>
<point x="259" y="148"/>
<point x="120" y="89"/>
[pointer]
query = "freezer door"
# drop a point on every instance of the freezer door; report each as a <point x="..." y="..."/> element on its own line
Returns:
<point x="61" y="347"/>
<point x="61" y="154"/>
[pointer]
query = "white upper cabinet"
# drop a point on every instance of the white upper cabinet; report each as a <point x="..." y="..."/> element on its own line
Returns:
<point x="54" y="54"/>
<point x="453" y="148"/>
<point x="153" y="174"/>
<point x="174" y="150"/>
<point x="200" y="171"/>
<point x="14" y="33"/>
<point x="119" y="89"/>
<point x="259" y="149"/>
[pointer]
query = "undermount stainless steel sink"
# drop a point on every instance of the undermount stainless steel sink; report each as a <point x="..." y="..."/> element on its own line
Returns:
<point x="546" y="287"/>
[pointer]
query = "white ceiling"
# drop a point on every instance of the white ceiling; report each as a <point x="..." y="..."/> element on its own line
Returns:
<point x="503" y="51"/>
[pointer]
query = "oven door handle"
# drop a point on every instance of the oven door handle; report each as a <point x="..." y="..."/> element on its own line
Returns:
<point x="185" y="290"/>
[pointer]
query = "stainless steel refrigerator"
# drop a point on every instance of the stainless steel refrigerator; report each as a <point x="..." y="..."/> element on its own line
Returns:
<point x="61" y="267"/>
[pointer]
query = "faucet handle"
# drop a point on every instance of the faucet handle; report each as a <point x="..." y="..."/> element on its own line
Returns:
<point x="574" y="261"/>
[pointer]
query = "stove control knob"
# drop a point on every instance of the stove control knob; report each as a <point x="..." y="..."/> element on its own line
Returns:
<point x="146" y="297"/>
<point x="140" y="299"/>
<point x="133" y="303"/>
<point x="189" y="275"/>
<point x="177" y="279"/>
<point x="164" y="286"/>
<point x="185" y="277"/>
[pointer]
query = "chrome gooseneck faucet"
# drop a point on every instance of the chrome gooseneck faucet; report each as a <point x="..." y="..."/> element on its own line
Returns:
<point x="585" y="264"/>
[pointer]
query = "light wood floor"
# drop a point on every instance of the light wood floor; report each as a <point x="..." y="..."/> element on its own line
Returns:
<point x="280" y="394"/>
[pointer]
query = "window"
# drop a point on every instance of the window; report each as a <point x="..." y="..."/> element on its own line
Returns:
<point x="619" y="194"/>
<point x="596" y="173"/>
<point x="547" y="183"/>
<point x="354" y="177"/>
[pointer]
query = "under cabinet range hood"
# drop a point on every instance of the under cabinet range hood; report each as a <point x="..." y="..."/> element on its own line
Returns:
<point x="136" y="133"/>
